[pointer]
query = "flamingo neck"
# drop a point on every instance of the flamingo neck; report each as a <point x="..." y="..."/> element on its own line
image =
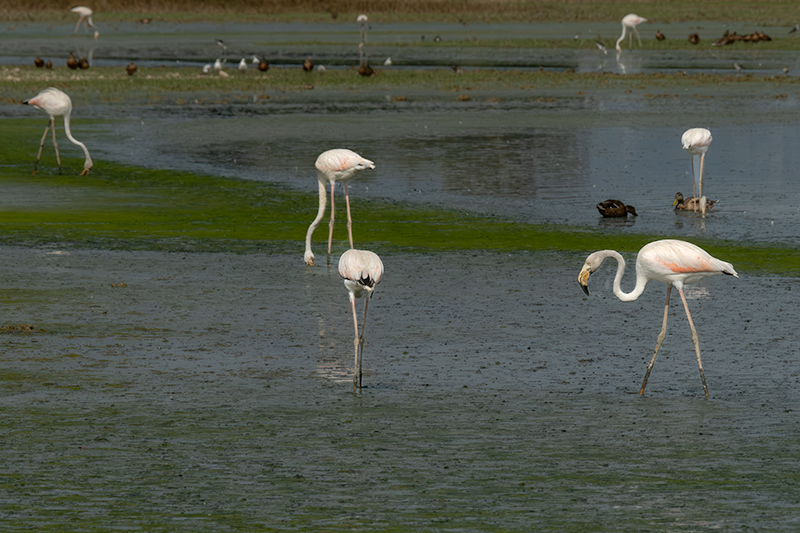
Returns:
<point x="641" y="281"/>
<point x="621" y="37"/>
<point x="323" y="202"/>
<point x="88" y="163"/>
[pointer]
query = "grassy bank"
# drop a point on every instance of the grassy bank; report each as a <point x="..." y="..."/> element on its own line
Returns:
<point x="122" y="207"/>
<point x="777" y="12"/>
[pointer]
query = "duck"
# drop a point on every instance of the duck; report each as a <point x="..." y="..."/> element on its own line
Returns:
<point x="72" y="63"/>
<point x="615" y="208"/>
<point x="39" y="62"/>
<point x="83" y="63"/>
<point x="690" y="204"/>
<point x="131" y="69"/>
<point x="694" y="38"/>
<point x="263" y="66"/>
<point x="308" y="65"/>
<point x="366" y="70"/>
<point x="660" y="36"/>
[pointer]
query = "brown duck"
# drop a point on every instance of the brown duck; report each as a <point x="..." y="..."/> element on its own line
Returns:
<point x="660" y="36"/>
<point x="615" y="208"/>
<point x="263" y="66"/>
<point x="72" y="63"/>
<point x="308" y="65"/>
<point x="131" y="69"/>
<point x="691" y="203"/>
<point x="365" y="70"/>
<point x="39" y="62"/>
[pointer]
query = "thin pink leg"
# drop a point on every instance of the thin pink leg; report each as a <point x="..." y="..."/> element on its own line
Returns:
<point x="330" y="226"/>
<point x="356" y="366"/>
<point x="41" y="145"/>
<point x="695" y="341"/>
<point x="55" y="144"/>
<point x="658" y="342"/>
<point x="361" y="339"/>
<point x="349" y="220"/>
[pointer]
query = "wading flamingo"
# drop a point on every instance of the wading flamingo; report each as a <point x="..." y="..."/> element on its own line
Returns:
<point x="362" y="271"/>
<point x="697" y="141"/>
<point x="56" y="103"/>
<point x="332" y="166"/>
<point x="85" y="16"/>
<point x="629" y="22"/>
<point x="669" y="261"/>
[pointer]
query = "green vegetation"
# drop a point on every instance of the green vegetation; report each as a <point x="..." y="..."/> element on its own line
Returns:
<point x="118" y="206"/>
<point x="774" y="12"/>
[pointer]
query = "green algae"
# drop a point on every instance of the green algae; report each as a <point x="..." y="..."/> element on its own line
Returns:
<point x="124" y="207"/>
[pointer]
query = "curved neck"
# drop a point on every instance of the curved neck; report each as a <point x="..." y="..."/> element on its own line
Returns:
<point x="88" y="163"/>
<point x="624" y="31"/>
<point x="323" y="201"/>
<point x="641" y="281"/>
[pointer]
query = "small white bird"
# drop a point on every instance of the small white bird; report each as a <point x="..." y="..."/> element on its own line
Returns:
<point x="320" y="69"/>
<point x="334" y="165"/>
<point x="668" y="261"/>
<point x="218" y="65"/>
<point x="243" y="66"/>
<point x="388" y="62"/>
<point x="629" y="22"/>
<point x="601" y="46"/>
<point x="361" y="270"/>
<point x="207" y="68"/>
<point x="795" y="28"/>
<point x="737" y="66"/>
<point x="256" y="60"/>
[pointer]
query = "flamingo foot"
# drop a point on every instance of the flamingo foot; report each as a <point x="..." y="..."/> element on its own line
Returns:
<point x="84" y="173"/>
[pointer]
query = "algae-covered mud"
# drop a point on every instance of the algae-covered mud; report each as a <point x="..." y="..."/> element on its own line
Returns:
<point x="170" y="364"/>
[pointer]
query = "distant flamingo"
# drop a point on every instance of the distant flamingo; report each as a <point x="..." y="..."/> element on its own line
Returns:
<point x="56" y="103"/>
<point x="362" y="271"/>
<point x="629" y="22"/>
<point x="332" y="166"/>
<point x="84" y="15"/>
<point x="697" y="141"/>
<point x="669" y="261"/>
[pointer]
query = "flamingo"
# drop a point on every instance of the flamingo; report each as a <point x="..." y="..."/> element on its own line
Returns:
<point x="334" y="165"/>
<point x="56" y="103"/>
<point x="630" y="22"/>
<point x="84" y="15"/>
<point x="669" y="261"/>
<point x="697" y="141"/>
<point x="362" y="20"/>
<point x="362" y="270"/>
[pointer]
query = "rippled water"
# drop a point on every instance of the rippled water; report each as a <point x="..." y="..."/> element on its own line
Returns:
<point x="214" y="391"/>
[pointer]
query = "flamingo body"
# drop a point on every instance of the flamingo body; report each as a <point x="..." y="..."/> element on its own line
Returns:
<point x="629" y="22"/>
<point x="57" y="103"/>
<point x="334" y="165"/>
<point x="361" y="270"/>
<point x="672" y="262"/>
<point x="697" y="141"/>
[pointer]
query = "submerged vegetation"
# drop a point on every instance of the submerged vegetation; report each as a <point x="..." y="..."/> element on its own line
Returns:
<point x="119" y="206"/>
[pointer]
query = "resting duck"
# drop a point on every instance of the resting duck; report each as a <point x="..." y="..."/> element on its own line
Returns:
<point x="615" y="208"/>
<point x="691" y="203"/>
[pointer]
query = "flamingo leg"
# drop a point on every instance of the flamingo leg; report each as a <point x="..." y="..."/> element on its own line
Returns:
<point x="695" y="341"/>
<point x="361" y="339"/>
<point x="356" y="366"/>
<point x="658" y="341"/>
<point x="694" y="183"/>
<point x="55" y="144"/>
<point x="330" y="226"/>
<point x="637" y="36"/>
<point x="349" y="219"/>
<point x="41" y="145"/>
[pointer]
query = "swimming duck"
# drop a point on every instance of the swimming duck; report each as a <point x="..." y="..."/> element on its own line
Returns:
<point x="615" y="208"/>
<point x="690" y="204"/>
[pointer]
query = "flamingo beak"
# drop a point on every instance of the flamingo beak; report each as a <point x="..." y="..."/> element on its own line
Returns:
<point x="583" y="279"/>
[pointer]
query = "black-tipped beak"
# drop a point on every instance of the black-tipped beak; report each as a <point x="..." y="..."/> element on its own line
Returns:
<point x="585" y="288"/>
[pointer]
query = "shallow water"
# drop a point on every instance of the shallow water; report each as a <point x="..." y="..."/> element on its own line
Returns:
<point x="214" y="390"/>
<point x="210" y="393"/>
